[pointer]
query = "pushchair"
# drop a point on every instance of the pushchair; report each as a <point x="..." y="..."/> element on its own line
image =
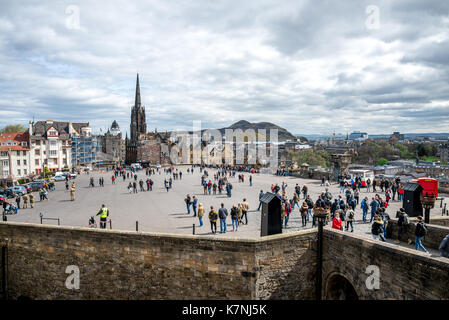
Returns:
<point x="10" y="209"/>
<point x="92" y="223"/>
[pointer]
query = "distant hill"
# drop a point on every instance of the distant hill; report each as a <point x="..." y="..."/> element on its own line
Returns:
<point x="283" y="134"/>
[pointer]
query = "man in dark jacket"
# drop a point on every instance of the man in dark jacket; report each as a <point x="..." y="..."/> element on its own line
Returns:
<point x="402" y="225"/>
<point x="222" y="214"/>
<point x="420" y="232"/>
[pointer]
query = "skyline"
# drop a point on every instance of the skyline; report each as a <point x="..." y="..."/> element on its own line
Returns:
<point x="259" y="61"/>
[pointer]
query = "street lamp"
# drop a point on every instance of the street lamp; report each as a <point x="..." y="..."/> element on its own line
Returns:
<point x="320" y="214"/>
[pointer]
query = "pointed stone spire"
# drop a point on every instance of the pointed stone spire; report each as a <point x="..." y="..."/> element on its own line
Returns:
<point x="137" y="103"/>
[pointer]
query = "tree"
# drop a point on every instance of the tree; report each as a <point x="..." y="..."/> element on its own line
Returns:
<point x="311" y="157"/>
<point x="13" y="128"/>
<point x="382" y="162"/>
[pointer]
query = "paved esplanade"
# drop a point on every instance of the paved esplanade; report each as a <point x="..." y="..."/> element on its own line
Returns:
<point x="162" y="211"/>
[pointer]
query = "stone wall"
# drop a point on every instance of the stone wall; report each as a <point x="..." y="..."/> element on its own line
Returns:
<point x="131" y="265"/>
<point x="286" y="266"/>
<point x="404" y="273"/>
<point x="435" y="233"/>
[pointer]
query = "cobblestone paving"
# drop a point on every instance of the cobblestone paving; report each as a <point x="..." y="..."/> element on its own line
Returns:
<point x="165" y="212"/>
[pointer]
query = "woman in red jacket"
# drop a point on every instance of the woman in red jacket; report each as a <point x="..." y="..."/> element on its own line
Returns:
<point x="336" y="222"/>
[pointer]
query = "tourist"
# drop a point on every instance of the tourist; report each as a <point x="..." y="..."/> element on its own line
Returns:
<point x="288" y="210"/>
<point x="304" y="209"/>
<point x="337" y="222"/>
<point x="420" y="232"/>
<point x="200" y="213"/>
<point x="141" y="185"/>
<point x="240" y="210"/>
<point x="25" y="201"/>
<point x="400" y="192"/>
<point x="368" y="185"/>
<point x="377" y="228"/>
<point x="403" y="223"/>
<point x="444" y="247"/>
<point x="295" y="201"/>
<point x="188" y="202"/>
<point x="222" y="214"/>
<point x="234" y="218"/>
<point x="130" y="187"/>
<point x="261" y="194"/>
<point x="245" y="208"/>
<point x="365" y="208"/>
<point x="350" y="218"/>
<point x="213" y="216"/>
<point x="374" y="206"/>
<point x="31" y="200"/>
<point x="134" y="187"/>
<point x="194" y="205"/>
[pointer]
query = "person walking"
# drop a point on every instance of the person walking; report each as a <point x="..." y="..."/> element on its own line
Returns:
<point x="365" y="207"/>
<point x="134" y="186"/>
<point x="235" y="218"/>
<point x="104" y="214"/>
<point x="288" y="210"/>
<point x="374" y="206"/>
<point x="31" y="200"/>
<point x="350" y="219"/>
<point x="420" y="232"/>
<point x="261" y="194"/>
<point x="222" y="214"/>
<point x="130" y="187"/>
<point x="213" y="216"/>
<point x="200" y="213"/>
<point x="245" y="208"/>
<point x="18" y="198"/>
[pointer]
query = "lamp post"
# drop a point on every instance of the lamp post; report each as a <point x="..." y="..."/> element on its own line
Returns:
<point x="320" y="215"/>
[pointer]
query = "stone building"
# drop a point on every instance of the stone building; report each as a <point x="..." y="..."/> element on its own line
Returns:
<point x="138" y="126"/>
<point x="444" y="152"/>
<point x="113" y="144"/>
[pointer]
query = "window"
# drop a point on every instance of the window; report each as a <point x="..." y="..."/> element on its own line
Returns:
<point x="5" y="163"/>
<point x="25" y="171"/>
<point x="24" y="144"/>
<point x="55" y="160"/>
<point x="36" y="162"/>
<point x="24" y="153"/>
<point x="18" y="162"/>
<point x="4" y="153"/>
<point x="38" y="142"/>
<point x="53" y="152"/>
<point x="24" y="162"/>
<point x="18" y="172"/>
<point x="18" y="153"/>
<point x="37" y="152"/>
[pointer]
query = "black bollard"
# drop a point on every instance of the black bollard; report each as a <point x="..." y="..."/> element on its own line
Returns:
<point x="110" y="224"/>
<point x="137" y="225"/>
<point x="193" y="228"/>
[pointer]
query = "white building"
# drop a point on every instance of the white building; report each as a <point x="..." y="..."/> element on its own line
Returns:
<point x="14" y="157"/>
<point x="51" y="146"/>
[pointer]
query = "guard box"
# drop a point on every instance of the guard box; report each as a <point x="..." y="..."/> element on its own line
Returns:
<point x="412" y="202"/>
<point x="271" y="215"/>
<point x="429" y="185"/>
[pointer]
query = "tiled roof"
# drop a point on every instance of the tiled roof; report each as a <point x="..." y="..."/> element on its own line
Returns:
<point x="41" y="127"/>
<point x="14" y="137"/>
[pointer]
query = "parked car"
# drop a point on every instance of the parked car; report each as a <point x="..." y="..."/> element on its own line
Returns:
<point x="60" y="177"/>
<point x="20" y="190"/>
<point x="7" y="193"/>
<point x="26" y="186"/>
<point x="37" y="185"/>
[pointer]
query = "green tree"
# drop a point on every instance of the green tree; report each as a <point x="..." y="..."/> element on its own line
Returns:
<point x="382" y="162"/>
<point x="13" y="128"/>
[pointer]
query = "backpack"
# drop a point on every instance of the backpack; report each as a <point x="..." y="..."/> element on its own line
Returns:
<point x="405" y="221"/>
<point x="422" y="230"/>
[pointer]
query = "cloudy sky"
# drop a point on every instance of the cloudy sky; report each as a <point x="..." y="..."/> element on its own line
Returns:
<point x="308" y="66"/>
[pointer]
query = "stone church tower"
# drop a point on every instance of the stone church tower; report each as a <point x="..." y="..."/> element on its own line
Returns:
<point x="138" y="126"/>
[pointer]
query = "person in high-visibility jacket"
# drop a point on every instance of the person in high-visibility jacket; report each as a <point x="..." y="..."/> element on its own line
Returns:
<point x="104" y="214"/>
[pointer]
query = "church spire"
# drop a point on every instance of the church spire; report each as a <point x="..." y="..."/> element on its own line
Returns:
<point x="137" y="103"/>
